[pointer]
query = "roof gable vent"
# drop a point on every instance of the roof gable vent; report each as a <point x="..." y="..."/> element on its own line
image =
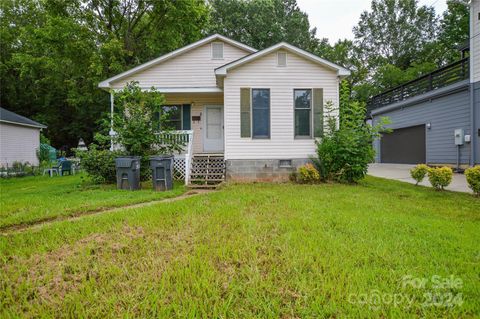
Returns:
<point x="282" y="58"/>
<point x="217" y="50"/>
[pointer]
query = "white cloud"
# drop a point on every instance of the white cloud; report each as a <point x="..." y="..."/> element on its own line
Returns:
<point x="334" y="19"/>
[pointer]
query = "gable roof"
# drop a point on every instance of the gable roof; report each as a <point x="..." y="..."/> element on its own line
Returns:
<point x="341" y="71"/>
<point x="7" y="116"/>
<point x="106" y="83"/>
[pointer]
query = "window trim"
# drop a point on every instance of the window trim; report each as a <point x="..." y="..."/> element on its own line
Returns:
<point x="269" y="114"/>
<point x="303" y="137"/>
<point x="286" y="59"/>
<point x="211" y="50"/>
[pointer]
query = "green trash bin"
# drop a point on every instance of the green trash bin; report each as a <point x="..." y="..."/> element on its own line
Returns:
<point x="162" y="172"/>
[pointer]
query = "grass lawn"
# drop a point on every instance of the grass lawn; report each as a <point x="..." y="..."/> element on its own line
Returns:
<point x="378" y="249"/>
<point x="33" y="199"/>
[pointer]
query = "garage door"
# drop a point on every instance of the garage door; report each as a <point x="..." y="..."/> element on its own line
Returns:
<point x="404" y="146"/>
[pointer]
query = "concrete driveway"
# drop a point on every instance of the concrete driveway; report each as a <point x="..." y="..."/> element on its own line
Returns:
<point x="401" y="172"/>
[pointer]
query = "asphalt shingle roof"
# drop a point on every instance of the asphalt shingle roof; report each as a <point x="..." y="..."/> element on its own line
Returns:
<point x="10" y="117"/>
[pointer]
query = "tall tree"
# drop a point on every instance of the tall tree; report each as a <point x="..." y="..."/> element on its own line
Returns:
<point x="395" y="32"/>
<point x="454" y="30"/>
<point x="54" y="53"/>
<point x="263" y="23"/>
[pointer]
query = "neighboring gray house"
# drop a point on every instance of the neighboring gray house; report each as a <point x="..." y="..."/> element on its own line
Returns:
<point x="19" y="138"/>
<point x="435" y="118"/>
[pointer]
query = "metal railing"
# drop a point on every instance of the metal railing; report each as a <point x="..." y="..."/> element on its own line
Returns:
<point x="439" y="78"/>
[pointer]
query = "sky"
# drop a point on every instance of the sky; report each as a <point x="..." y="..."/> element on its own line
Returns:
<point x="335" y="19"/>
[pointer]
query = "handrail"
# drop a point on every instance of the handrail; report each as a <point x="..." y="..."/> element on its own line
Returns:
<point x="439" y="78"/>
<point x="184" y="137"/>
<point x="188" y="157"/>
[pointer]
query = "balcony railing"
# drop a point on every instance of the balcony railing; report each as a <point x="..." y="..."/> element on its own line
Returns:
<point x="440" y="78"/>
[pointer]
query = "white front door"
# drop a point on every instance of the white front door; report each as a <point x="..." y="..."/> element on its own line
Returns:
<point x="213" y="129"/>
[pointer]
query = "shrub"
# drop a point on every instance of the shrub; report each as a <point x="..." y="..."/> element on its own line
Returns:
<point x="308" y="174"/>
<point x="99" y="164"/>
<point x="419" y="172"/>
<point x="440" y="177"/>
<point x="344" y="152"/>
<point x="473" y="179"/>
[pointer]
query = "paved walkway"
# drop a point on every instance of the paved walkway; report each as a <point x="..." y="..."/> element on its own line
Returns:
<point x="401" y="172"/>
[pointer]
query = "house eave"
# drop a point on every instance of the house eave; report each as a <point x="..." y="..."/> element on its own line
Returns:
<point x="24" y="124"/>
<point x="180" y="89"/>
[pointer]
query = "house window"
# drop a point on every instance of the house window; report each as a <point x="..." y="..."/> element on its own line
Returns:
<point x="303" y="112"/>
<point x="172" y="116"/>
<point x="261" y="113"/>
<point x="217" y="50"/>
<point x="281" y="58"/>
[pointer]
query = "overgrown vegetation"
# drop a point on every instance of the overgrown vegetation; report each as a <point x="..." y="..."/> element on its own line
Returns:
<point x="345" y="150"/>
<point x="136" y="125"/>
<point x="247" y="251"/>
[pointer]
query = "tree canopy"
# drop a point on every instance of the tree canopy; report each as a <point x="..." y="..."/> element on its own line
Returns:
<point x="55" y="52"/>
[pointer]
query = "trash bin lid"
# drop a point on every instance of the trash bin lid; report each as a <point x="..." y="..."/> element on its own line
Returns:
<point x="160" y="157"/>
<point x="126" y="161"/>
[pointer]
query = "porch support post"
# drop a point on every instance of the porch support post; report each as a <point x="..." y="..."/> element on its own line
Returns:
<point x="112" y="132"/>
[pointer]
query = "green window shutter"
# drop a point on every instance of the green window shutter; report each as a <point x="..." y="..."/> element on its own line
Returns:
<point x="186" y="117"/>
<point x="245" y="125"/>
<point x="317" y="112"/>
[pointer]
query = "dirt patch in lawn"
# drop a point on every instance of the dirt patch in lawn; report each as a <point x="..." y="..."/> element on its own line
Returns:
<point x="76" y="215"/>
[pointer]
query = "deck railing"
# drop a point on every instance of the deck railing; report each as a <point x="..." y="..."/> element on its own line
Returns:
<point x="183" y="137"/>
<point x="442" y="77"/>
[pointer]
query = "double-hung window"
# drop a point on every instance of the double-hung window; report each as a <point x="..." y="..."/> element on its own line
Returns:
<point x="261" y="113"/>
<point x="303" y="113"/>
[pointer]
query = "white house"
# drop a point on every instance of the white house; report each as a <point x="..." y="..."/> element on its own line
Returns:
<point x="258" y="112"/>
<point x="19" y="138"/>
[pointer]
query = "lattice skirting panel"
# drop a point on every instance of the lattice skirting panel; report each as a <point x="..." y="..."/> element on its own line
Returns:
<point x="179" y="169"/>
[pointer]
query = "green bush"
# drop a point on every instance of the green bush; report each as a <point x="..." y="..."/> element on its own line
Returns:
<point x="344" y="152"/>
<point x="440" y="177"/>
<point x="473" y="179"/>
<point x="419" y="172"/>
<point x="99" y="164"/>
<point x="308" y="174"/>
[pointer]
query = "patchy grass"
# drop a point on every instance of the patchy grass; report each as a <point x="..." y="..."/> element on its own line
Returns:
<point x="33" y="199"/>
<point x="257" y="250"/>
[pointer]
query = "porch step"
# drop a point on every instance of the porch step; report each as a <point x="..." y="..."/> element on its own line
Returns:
<point x="207" y="171"/>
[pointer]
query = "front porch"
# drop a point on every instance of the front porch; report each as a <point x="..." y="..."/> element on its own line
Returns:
<point x="197" y="122"/>
<point x="198" y="170"/>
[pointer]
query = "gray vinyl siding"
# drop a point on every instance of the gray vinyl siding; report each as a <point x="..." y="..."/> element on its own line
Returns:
<point x="445" y="114"/>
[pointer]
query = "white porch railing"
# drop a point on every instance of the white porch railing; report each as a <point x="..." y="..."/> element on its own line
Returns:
<point x="184" y="137"/>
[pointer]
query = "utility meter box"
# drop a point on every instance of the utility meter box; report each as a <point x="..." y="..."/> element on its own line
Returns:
<point x="459" y="136"/>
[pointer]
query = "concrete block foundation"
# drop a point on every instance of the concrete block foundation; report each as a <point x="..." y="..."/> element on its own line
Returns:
<point x="268" y="170"/>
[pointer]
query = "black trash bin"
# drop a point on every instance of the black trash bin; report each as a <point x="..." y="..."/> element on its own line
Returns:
<point x="128" y="172"/>
<point x="162" y="172"/>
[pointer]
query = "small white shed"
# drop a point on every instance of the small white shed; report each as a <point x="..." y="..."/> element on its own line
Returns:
<point x="19" y="138"/>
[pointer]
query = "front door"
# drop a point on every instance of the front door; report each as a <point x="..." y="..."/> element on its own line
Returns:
<point x="213" y="129"/>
